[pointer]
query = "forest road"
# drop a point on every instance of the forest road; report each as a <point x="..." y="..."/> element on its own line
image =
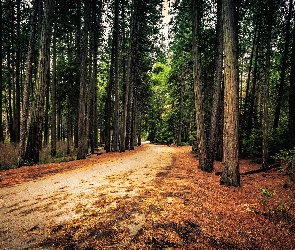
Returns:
<point x="27" y="209"/>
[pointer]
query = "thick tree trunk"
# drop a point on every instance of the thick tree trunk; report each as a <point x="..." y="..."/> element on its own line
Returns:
<point x="199" y="93"/>
<point x="1" y="70"/>
<point x="35" y="139"/>
<point x="116" y="70"/>
<point x="130" y="76"/>
<point x="82" y="122"/>
<point x="27" y="85"/>
<point x="216" y="103"/>
<point x="16" y="109"/>
<point x="292" y="96"/>
<point x="230" y="174"/>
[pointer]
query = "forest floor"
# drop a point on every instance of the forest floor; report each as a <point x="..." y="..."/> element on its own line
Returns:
<point x="154" y="197"/>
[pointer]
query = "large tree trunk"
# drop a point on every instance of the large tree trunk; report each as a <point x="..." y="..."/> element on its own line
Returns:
<point x="230" y="174"/>
<point x="1" y="70"/>
<point x="216" y="103"/>
<point x="130" y="76"/>
<point x="27" y="85"/>
<point x="35" y="138"/>
<point x="82" y="122"/>
<point x="292" y="96"/>
<point x="16" y="110"/>
<point x="199" y="93"/>
<point x="116" y="85"/>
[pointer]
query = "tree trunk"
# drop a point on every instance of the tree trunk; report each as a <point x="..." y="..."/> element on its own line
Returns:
<point x="53" y="97"/>
<point x="180" y="121"/>
<point x="16" y="110"/>
<point x="1" y="70"/>
<point x="27" y="85"/>
<point x="116" y="69"/>
<point x="291" y="97"/>
<point x="108" y="105"/>
<point x="128" y="102"/>
<point x="230" y="174"/>
<point x="35" y="139"/>
<point x="82" y="122"/>
<point x="268" y="16"/>
<point x="216" y="103"/>
<point x="281" y="86"/>
<point x="199" y="93"/>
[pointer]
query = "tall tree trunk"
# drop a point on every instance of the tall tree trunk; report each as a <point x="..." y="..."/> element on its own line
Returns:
<point x="282" y="84"/>
<point x="16" y="110"/>
<point x="199" y="92"/>
<point x="291" y="96"/>
<point x="216" y="103"/>
<point x="1" y="70"/>
<point x="34" y="145"/>
<point x="180" y="121"/>
<point x="128" y="102"/>
<point x="108" y="105"/>
<point x="230" y="175"/>
<point x="116" y="86"/>
<point x="268" y="16"/>
<point x="27" y="84"/>
<point x="53" y="97"/>
<point x="82" y="122"/>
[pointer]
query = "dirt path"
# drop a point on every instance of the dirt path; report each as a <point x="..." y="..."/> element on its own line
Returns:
<point x="28" y="208"/>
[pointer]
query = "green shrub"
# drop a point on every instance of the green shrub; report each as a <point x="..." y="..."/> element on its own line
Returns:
<point x="8" y="156"/>
<point x="286" y="156"/>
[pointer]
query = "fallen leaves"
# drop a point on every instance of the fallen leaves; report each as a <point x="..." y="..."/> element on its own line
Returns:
<point x="184" y="208"/>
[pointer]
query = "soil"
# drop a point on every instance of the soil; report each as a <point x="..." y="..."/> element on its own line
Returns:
<point x="154" y="197"/>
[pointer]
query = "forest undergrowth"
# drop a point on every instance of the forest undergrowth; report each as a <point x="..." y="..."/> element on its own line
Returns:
<point x="182" y="208"/>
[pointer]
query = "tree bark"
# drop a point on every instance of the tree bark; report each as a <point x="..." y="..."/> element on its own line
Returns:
<point x="27" y="85"/>
<point x="199" y="93"/>
<point x="291" y="96"/>
<point x="53" y="98"/>
<point x="268" y="16"/>
<point x="216" y="103"/>
<point x="116" y="71"/>
<point x="35" y="139"/>
<point x="282" y="84"/>
<point x="1" y="70"/>
<point x="230" y="175"/>
<point x="82" y="122"/>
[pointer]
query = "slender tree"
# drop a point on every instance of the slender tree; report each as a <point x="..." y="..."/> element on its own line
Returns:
<point x="53" y="95"/>
<point x="82" y="122"/>
<point x="230" y="175"/>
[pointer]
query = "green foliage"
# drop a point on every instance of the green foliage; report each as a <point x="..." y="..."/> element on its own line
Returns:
<point x="286" y="156"/>
<point x="62" y="154"/>
<point x="250" y="145"/>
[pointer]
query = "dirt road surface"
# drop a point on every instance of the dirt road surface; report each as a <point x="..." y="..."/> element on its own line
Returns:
<point x="29" y="207"/>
